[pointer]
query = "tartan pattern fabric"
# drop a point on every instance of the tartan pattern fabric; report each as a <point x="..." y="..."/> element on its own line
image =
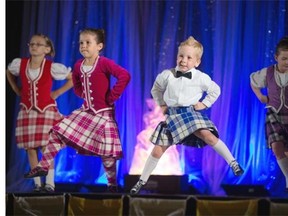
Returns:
<point x="109" y="164"/>
<point x="53" y="147"/>
<point x="179" y="126"/>
<point x="33" y="127"/>
<point x="91" y="134"/>
<point x="276" y="125"/>
<point x="161" y="135"/>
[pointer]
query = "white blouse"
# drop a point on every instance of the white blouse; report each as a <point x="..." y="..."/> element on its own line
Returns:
<point x="258" y="78"/>
<point x="58" y="70"/>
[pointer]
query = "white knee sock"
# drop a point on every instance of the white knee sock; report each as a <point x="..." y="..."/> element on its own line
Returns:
<point x="283" y="164"/>
<point x="50" y="177"/>
<point x="221" y="148"/>
<point x="37" y="181"/>
<point x="150" y="165"/>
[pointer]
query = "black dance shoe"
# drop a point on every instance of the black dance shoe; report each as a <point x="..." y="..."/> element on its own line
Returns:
<point x="137" y="187"/>
<point x="236" y="168"/>
<point x="37" y="171"/>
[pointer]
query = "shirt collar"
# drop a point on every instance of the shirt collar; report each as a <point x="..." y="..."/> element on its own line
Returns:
<point x="191" y="70"/>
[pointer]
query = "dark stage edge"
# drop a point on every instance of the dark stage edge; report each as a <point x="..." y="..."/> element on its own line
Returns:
<point x="191" y="199"/>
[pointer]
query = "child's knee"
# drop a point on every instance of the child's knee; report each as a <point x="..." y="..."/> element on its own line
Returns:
<point x="158" y="151"/>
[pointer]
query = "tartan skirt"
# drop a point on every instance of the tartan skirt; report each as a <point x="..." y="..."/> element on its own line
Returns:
<point x="276" y="126"/>
<point x="179" y="126"/>
<point x="90" y="133"/>
<point x="32" y="129"/>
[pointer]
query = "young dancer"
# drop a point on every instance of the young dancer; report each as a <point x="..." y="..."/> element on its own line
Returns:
<point x="178" y="91"/>
<point x="92" y="129"/>
<point x="275" y="79"/>
<point x="38" y="112"/>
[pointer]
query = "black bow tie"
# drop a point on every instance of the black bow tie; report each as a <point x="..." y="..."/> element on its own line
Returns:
<point x="187" y="75"/>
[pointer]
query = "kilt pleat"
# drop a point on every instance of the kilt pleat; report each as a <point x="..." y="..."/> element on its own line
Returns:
<point x="32" y="130"/>
<point x="276" y="125"/>
<point x="91" y="134"/>
<point x="179" y="126"/>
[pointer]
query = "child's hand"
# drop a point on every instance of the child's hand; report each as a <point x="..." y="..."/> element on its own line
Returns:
<point x="164" y="109"/>
<point x="263" y="99"/>
<point x="199" y="106"/>
<point x="109" y="101"/>
<point x="17" y="91"/>
<point x="54" y="95"/>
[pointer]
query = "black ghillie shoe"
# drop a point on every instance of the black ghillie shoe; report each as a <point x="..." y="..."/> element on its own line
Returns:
<point x="37" y="171"/>
<point x="37" y="189"/>
<point x="137" y="187"/>
<point x="48" y="188"/>
<point x="236" y="168"/>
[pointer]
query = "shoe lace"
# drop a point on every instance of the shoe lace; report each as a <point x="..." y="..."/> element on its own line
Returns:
<point x="138" y="185"/>
<point x="235" y="166"/>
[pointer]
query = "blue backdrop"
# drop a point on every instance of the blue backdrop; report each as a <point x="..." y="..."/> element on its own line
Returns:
<point x="239" y="37"/>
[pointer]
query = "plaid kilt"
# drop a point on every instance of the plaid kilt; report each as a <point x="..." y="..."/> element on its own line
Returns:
<point x="276" y="126"/>
<point x="91" y="134"/>
<point x="32" y="130"/>
<point x="179" y="126"/>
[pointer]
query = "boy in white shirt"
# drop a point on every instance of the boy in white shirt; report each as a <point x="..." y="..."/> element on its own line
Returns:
<point x="178" y="92"/>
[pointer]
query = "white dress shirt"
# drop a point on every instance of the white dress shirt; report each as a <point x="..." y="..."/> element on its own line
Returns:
<point x="175" y="92"/>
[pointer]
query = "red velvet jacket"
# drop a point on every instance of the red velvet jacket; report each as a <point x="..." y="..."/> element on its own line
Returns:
<point x="94" y="86"/>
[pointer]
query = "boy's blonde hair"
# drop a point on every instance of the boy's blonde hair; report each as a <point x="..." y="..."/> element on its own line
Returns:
<point x="195" y="44"/>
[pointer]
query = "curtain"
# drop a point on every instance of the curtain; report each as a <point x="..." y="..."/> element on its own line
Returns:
<point x="239" y="38"/>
